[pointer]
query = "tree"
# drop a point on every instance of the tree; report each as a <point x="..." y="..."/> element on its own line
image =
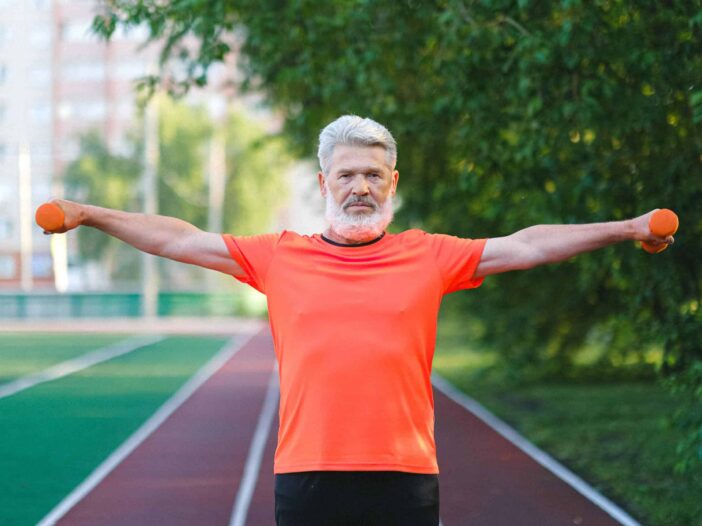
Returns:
<point x="507" y="114"/>
<point x="105" y="179"/>
<point x="254" y="186"/>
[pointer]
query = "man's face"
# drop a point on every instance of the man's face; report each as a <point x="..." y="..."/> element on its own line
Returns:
<point x="359" y="179"/>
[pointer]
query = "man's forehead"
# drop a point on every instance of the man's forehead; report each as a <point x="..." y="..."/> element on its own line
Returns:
<point x="349" y="157"/>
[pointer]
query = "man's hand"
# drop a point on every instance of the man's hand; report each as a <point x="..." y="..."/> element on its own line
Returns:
<point x="73" y="214"/>
<point x="642" y="231"/>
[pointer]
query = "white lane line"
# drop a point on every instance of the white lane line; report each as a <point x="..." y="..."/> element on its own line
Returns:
<point x="77" y="364"/>
<point x="253" y="461"/>
<point x="141" y="434"/>
<point x="534" y="452"/>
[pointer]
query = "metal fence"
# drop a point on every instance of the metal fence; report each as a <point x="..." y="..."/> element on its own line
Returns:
<point x="126" y="304"/>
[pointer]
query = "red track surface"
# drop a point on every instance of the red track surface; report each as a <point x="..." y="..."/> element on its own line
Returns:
<point x="487" y="481"/>
<point x="187" y="472"/>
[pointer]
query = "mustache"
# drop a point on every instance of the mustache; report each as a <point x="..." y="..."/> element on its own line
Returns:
<point x="360" y="200"/>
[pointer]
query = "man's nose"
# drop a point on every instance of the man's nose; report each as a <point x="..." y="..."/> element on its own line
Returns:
<point x="360" y="185"/>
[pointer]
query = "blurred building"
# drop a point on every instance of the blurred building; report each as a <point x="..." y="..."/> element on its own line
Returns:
<point x="92" y="81"/>
<point x="57" y="81"/>
<point x="26" y="122"/>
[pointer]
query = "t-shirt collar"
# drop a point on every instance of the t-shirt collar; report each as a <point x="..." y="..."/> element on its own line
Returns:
<point x="364" y="244"/>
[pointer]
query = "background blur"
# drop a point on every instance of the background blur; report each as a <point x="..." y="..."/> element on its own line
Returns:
<point x="506" y="113"/>
<point x="75" y="126"/>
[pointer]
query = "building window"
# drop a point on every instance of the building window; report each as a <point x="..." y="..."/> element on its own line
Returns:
<point x="8" y="265"/>
<point x="40" y="76"/>
<point x="137" y="34"/>
<point x="41" y="151"/>
<point x="41" y="113"/>
<point x="79" y="31"/>
<point x="5" y="229"/>
<point x="40" y="38"/>
<point x="91" y="110"/>
<point x="84" y="71"/>
<point x="130" y="70"/>
<point x="42" y="266"/>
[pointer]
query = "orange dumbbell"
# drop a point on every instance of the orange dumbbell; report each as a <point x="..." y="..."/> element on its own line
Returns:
<point x="663" y="223"/>
<point x="50" y="217"/>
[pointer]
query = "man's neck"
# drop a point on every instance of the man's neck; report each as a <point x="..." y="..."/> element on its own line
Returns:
<point x="330" y="234"/>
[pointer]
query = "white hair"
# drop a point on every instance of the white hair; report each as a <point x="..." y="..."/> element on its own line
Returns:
<point x="352" y="130"/>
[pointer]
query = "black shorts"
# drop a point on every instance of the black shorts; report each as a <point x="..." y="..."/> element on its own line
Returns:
<point x="356" y="498"/>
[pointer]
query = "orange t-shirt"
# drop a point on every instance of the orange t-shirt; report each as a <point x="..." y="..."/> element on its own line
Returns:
<point x="354" y="329"/>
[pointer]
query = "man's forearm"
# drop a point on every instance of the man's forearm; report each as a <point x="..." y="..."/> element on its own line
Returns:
<point x="553" y="243"/>
<point x="155" y="234"/>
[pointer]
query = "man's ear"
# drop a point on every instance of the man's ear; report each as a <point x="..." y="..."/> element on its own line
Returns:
<point x="395" y="179"/>
<point x="322" y="184"/>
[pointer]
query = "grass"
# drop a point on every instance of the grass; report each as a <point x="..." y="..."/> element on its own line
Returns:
<point x="22" y="354"/>
<point x="615" y="435"/>
<point x="55" y="434"/>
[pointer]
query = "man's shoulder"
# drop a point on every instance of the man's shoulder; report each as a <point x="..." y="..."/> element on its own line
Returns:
<point x="411" y="234"/>
<point x="290" y="236"/>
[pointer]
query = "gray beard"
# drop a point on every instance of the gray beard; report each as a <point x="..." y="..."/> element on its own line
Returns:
<point x="358" y="227"/>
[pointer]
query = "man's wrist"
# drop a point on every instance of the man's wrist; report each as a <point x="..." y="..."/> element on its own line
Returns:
<point x="86" y="215"/>
<point x="629" y="230"/>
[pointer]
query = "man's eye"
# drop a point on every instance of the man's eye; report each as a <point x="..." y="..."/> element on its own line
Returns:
<point x="374" y="175"/>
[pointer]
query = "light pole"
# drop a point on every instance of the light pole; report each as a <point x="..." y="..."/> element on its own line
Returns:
<point x="150" y="193"/>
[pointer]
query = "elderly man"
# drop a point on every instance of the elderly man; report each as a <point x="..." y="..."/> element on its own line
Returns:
<point x="353" y="315"/>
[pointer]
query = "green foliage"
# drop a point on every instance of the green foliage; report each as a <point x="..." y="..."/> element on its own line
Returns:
<point x="104" y="179"/>
<point x="507" y="114"/>
<point x="688" y="386"/>
<point x="254" y="190"/>
<point x="255" y="164"/>
<point x="183" y="135"/>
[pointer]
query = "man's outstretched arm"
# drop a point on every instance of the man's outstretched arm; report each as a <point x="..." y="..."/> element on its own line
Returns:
<point x="164" y="236"/>
<point x="542" y="244"/>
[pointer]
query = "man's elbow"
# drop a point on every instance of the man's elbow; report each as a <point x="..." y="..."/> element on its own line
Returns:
<point x="176" y="249"/>
<point x="531" y="257"/>
<point x="538" y="257"/>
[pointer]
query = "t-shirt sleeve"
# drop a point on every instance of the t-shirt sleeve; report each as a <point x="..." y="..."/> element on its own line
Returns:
<point x="254" y="255"/>
<point x="457" y="259"/>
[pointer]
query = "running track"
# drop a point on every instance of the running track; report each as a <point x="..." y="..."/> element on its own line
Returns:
<point x="190" y="469"/>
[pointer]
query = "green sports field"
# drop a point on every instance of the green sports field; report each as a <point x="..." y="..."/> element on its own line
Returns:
<point x="55" y="433"/>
